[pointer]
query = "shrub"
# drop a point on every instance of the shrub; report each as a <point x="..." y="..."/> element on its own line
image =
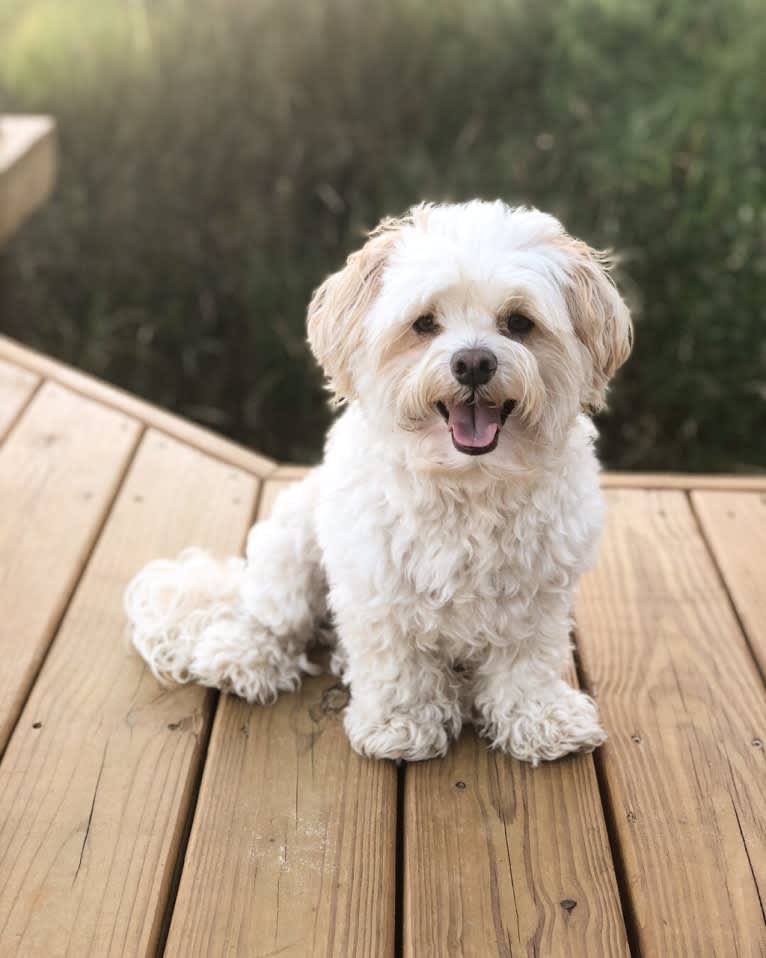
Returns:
<point x="219" y="158"/>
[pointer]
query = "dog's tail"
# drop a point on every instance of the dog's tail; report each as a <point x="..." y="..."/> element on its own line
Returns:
<point x="234" y="624"/>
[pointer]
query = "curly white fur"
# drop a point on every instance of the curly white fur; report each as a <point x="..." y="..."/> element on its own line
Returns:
<point x="449" y="577"/>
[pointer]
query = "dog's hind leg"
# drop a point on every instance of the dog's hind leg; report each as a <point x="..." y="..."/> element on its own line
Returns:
<point x="240" y="625"/>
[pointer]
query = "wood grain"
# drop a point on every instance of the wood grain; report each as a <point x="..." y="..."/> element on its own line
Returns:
<point x="181" y="429"/>
<point x="629" y="480"/>
<point x="272" y="491"/>
<point x="17" y="386"/>
<point x="503" y="859"/>
<point x="684" y="480"/>
<point x="96" y="784"/>
<point x="59" y="471"/>
<point x="292" y="472"/>
<point x="735" y="528"/>
<point x="686" y="711"/>
<point x="292" y="850"/>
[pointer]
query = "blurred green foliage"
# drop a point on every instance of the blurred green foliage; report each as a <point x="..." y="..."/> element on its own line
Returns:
<point x="218" y="158"/>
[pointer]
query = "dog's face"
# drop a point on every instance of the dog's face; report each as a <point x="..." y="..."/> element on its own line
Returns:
<point x="471" y="334"/>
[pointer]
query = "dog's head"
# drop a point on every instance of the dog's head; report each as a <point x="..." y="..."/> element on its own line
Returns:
<point x="472" y="334"/>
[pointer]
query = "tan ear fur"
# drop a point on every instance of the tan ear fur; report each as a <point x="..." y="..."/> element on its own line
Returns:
<point x="338" y="307"/>
<point x="600" y="317"/>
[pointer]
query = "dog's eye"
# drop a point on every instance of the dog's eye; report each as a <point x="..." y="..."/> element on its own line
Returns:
<point x="425" y="324"/>
<point x="518" y="324"/>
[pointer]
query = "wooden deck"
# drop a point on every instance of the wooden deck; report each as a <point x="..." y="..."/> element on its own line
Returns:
<point x="27" y="168"/>
<point x="140" y="821"/>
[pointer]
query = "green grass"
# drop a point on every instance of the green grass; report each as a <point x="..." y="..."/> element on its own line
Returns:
<point x="219" y="158"/>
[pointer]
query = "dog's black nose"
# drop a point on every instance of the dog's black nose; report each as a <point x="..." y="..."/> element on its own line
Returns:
<point x="473" y="367"/>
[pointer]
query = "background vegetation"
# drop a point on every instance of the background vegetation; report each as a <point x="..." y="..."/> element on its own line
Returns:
<point x="218" y="158"/>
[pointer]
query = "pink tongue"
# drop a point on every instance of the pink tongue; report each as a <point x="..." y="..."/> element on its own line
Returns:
<point x="474" y="425"/>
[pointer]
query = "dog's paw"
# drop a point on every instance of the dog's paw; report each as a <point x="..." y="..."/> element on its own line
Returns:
<point x="411" y="736"/>
<point x="544" y="729"/>
<point x="247" y="660"/>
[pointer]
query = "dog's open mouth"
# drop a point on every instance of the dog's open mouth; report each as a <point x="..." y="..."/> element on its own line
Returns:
<point x="475" y="426"/>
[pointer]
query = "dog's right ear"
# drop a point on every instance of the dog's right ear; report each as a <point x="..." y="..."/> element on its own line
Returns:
<point x="337" y="309"/>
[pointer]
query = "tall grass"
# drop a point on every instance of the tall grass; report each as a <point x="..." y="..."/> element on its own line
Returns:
<point x="218" y="158"/>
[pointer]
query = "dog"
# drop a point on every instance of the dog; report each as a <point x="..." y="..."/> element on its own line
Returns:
<point x="456" y="507"/>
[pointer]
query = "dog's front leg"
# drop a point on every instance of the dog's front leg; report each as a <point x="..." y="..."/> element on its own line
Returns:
<point x="523" y="705"/>
<point x="404" y="705"/>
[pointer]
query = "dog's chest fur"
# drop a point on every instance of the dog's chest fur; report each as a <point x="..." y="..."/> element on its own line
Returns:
<point x="465" y="563"/>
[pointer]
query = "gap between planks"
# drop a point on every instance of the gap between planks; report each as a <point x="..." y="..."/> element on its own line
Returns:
<point x="304" y="865"/>
<point x="733" y="525"/>
<point x="17" y="389"/>
<point x="61" y="467"/>
<point x="681" y="696"/>
<point x="210" y="909"/>
<point x="204" y="750"/>
<point x="501" y="859"/>
<point x="610" y="821"/>
<point x="569" y="904"/>
<point x="98" y="777"/>
<point x="193" y="435"/>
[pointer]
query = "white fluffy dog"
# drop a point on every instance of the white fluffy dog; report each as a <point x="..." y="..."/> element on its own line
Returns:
<point x="456" y="507"/>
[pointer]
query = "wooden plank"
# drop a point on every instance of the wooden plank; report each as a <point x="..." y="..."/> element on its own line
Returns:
<point x="17" y="386"/>
<point x="628" y="480"/>
<point x="292" y="850"/>
<point x="96" y="784"/>
<point x="503" y="859"/>
<point x="291" y="472"/>
<point x="683" y="480"/>
<point x="27" y="168"/>
<point x="175" y="426"/>
<point x="59" y="471"/>
<point x="271" y="492"/>
<point x="735" y="528"/>
<point x="685" y="708"/>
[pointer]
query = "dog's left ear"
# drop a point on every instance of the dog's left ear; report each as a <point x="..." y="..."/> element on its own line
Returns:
<point x="600" y="317"/>
<point x="338" y="307"/>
